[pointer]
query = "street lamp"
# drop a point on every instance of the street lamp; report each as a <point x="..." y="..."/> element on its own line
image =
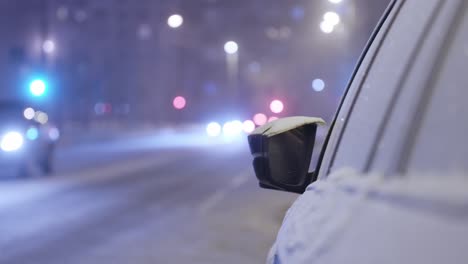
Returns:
<point x="231" y="47"/>
<point x="48" y="46"/>
<point x="331" y="18"/>
<point x="232" y="67"/>
<point x="29" y="113"/>
<point x="37" y="88"/>
<point x="175" y="21"/>
<point x="326" y="27"/>
<point x="318" y="85"/>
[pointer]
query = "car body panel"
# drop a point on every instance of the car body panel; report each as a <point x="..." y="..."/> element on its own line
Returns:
<point x="396" y="139"/>
<point x="369" y="218"/>
<point x="440" y="135"/>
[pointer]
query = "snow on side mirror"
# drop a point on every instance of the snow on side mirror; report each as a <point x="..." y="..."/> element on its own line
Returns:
<point x="282" y="151"/>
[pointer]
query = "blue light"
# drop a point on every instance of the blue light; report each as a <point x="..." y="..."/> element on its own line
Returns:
<point x="37" y="87"/>
<point x="318" y="85"/>
<point x="32" y="133"/>
<point x="297" y="13"/>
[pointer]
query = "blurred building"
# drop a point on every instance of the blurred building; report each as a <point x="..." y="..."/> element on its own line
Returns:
<point x="21" y="29"/>
<point x="121" y="54"/>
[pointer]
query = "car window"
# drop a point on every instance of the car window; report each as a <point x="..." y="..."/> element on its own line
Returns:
<point x="374" y="95"/>
<point x="439" y="144"/>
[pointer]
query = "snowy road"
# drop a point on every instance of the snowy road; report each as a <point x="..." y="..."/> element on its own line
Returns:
<point x="158" y="198"/>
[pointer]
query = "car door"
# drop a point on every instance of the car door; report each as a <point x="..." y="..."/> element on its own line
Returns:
<point x="363" y="208"/>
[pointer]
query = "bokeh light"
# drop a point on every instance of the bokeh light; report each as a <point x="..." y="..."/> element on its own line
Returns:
<point x="248" y="126"/>
<point x="237" y="126"/>
<point x="62" y="13"/>
<point x="81" y="16"/>
<point x="54" y="133"/>
<point x="276" y="106"/>
<point x="255" y="67"/>
<point x="32" y="133"/>
<point x="41" y="117"/>
<point x="232" y="128"/>
<point x="326" y="27"/>
<point x="48" y="46"/>
<point x="331" y="18"/>
<point x="318" y="85"/>
<point x="260" y="119"/>
<point x="37" y="87"/>
<point x="231" y="47"/>
<point x="11" y="141"/>
<point x="213" y="129"/>
<point x="297" y="13"/>
<point x="335" y="1"/>
<point x="29" y="113"/>
<point x="175" y="21"/>
<point x="144" y="31"/>
<point x="179" y="102"/>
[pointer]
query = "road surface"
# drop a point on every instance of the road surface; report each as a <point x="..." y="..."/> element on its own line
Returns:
<point x="157" y="198"/>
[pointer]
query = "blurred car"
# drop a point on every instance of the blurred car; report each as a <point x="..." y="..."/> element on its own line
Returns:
<point x="391" y="182"/>
<point x="27" y="140"/>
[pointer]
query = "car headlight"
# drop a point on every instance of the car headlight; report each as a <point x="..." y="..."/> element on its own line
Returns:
<point x="232" y="128"/>
<point x="11" y="141"/>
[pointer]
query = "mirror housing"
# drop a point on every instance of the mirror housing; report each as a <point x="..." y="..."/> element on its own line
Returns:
<point x="282" y="151"/>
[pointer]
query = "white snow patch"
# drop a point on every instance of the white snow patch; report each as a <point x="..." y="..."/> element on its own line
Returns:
<point x="284" y="124"/>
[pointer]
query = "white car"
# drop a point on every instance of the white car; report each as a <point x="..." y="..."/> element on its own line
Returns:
<point x="391" y="183"/>
<point x="27" y="140"/>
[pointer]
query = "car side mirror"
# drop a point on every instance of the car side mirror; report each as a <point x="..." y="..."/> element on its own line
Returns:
<point x="282" y="151"/>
